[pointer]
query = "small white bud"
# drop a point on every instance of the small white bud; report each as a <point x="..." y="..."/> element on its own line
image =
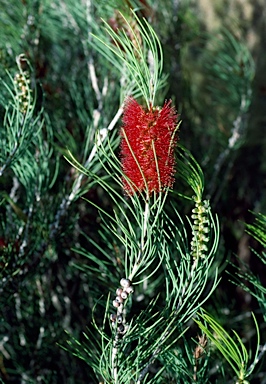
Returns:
<point x="119" y="299"/>
<point x="119" y="291"/>
<point x="125" y="282"/>
<point x="115" y="304"/>
<point x="124" y="295"/>
<point x="113" y="317"/>
<point x="120" y="328"/>
<point x="129" y="289"/>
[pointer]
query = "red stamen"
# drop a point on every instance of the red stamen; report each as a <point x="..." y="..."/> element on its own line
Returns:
<point x="147" y="147"/>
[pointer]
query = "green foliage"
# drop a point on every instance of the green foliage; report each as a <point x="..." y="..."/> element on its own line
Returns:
<point x="135" y="51"/>
<point x="68" y="233"/>
<point x="233" y="351"/>
<point x="258" y="230"/>
<point x="20" y="127"/>
<point x="218" y="79"/>
<point x="255" y="287"/>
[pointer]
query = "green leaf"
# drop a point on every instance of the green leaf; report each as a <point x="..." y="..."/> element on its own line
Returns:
<point x="233" y="349"/>
<point x="135" y="50"/>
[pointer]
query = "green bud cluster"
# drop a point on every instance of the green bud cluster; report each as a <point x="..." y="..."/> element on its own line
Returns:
<point x="23" y="91"/>
<point x="200" y="228"/>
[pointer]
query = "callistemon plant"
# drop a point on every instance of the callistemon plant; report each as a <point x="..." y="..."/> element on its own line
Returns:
<point x="121" y="260"/>
<point x="154" y="275"/>
<point x="147" y="147"/>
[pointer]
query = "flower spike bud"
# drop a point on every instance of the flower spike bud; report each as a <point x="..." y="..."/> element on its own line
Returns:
<point x="113" y="317"/>
<point x="119" y="299"/>
<point x="119" y="291"/>
<point x="148" y="141"/>
<point x="120" y="328"/>
<point x="129" y="290"/>
<point x="125" y="283"/>
<point x="124" y="295"/>
<point x="115" y="304"/>
<point x="201" y="228"/>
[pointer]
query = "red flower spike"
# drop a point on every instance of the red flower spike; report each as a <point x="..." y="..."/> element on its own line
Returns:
<point x="147" y="147"/>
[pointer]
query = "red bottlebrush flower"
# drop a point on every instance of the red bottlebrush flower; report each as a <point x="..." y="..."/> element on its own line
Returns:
<point x="147" y="147"/>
